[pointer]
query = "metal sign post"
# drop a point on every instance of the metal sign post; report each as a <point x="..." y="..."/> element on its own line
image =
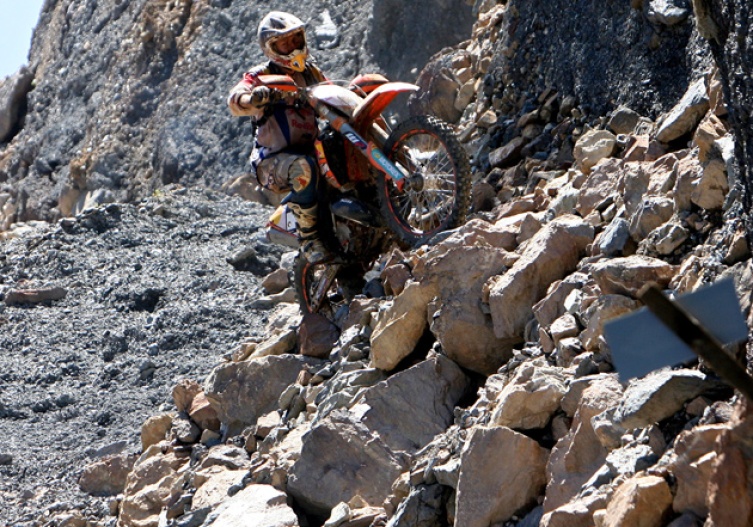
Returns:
<point x="671" y="332"/>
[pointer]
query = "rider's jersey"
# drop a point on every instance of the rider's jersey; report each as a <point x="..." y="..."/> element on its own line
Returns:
<point x="280" y="125"/>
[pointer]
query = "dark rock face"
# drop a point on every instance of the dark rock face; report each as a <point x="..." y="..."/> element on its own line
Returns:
<point x="611" y="53"/>
<point x="727" y="26"/>
<point x="130" y="95"/>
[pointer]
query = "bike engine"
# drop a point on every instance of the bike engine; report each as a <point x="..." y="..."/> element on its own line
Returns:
<point x="334" y="150"/>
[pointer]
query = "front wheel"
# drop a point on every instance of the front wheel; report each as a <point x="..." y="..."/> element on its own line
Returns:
<point x="437" y="191"/>
<point x="326" y="288"/>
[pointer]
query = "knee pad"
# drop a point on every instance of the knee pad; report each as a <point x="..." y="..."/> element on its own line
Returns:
<point x="300" y="174"/>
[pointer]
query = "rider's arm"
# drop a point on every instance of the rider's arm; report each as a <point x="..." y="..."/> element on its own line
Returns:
<point x="248" y="98"/>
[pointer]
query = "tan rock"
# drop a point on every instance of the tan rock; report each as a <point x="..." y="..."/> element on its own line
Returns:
<point x="501" y="234"/>
<point x="640" y="501"/>
<point x="711" y="189"/>
<point x="400" y="326"/>
<point x="202" y="413"/>
<point x="107" y="476"/>
<point x="662" y="175"/>
<point x="576" y="457"/>
<point x="342" y="458"/>
<point x="716" y="94"/>
<point x="666" y="238"/>
<point x="651" y="214"/>
<point x="465" y="95"/>
<point x="531" y="397"/>
<point x="155" y="429"/>
<point x="577" y="513"/>
<point x="256" y="505"/>
<point x="213" y="490"/>
<point x="243" y="391"/>
<point x="693" y="466"/>
<point x="592" y="147"/>
<point x="636" y="148"/>
<point x="730" y="493"/>
<point x="501" y="472"/>
<point x="275" y="282"/>
<point x="626" y="276"/>
<point x="710" y="129"/>
<point x="604" y="309"/>
<point x="550" y="255"/>
<point x="394" y="278"/>
<point x="601" y="183"/>
<point x="688" y="173"/>
<point x="564" y="327"/>
<point x="552" y="306"/>
<point x="457" y="275"/>
<point x="184" y="393"/>
<point x="738" y="249"/>
<point x="633" y="185"/>
<point x="280" y="342"/>
<point x="155" y="480"/>
<point x="16" y="297"/>
<point x="685" y="115"/>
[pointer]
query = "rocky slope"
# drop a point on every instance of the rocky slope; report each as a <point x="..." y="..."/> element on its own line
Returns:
<point x="480" y="390"/>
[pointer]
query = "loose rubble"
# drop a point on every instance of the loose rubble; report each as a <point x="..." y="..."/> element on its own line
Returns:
<point x="481" y="391"/>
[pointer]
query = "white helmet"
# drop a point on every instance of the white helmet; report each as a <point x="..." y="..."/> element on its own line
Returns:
<point x="282" y="38"/>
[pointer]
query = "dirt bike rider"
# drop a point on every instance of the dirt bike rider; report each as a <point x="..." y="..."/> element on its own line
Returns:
<point x="285" y="133"/>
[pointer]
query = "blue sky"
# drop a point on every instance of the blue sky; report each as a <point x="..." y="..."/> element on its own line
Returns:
<point x="17" y="19"/>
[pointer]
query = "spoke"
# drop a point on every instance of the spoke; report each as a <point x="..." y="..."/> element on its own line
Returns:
<point x="424" y="154"/>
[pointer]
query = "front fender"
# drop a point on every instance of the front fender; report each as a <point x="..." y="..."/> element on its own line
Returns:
<point x="372" y="106"/>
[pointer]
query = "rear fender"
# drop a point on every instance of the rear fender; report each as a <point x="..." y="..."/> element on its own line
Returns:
<point x="372" y="106"/>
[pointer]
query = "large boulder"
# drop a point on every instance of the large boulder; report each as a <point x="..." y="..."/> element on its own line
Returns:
<point x="660" y="394"/>
<point x="730" y="493"/>
<point x="644" y="501"/>
<point x="501" y="472"/>
<point x="626" y="276"/>
<point x="342" y="458"/>
<point x="255" y="505"/>
<point x="686" y="114"/>
<point x="431" y="389"/>
<point x="550" y="255"/>
<point x="400" y="326"/>
<point x="592" y="147"/>
<point x="465" y="331"/>
<point x="107" y="476"/>
<point x="242" y="392"/>
<point x="376" y="435"/>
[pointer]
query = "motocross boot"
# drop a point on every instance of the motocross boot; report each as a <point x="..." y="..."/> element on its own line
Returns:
<point x="312" y="247"/>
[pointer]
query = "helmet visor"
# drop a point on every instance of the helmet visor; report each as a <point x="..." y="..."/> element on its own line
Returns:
<point x="286" y="45"/>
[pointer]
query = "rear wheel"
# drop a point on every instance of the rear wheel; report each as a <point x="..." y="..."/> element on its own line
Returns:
<point x="437" y="191"/>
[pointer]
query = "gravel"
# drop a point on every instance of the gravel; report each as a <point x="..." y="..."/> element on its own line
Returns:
<point x="150" y="299"/>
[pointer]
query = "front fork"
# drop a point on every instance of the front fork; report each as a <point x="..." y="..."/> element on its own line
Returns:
<point x="372" y="152"/>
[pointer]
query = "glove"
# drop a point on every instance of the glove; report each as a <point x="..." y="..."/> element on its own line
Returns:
<point x="263" y="95"/>
<point x="260" y="96"/>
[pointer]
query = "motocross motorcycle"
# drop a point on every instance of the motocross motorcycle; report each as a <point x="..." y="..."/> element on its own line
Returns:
<point x="382" y="185"/>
